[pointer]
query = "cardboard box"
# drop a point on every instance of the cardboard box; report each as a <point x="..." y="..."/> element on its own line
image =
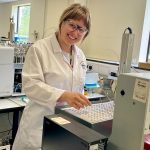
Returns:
<point x="144" y="65"/>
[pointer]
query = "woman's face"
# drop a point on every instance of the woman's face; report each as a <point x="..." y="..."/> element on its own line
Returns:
<point x="72" y="31"/>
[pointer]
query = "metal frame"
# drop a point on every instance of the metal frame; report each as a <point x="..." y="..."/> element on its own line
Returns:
<point x="148" y="48"/>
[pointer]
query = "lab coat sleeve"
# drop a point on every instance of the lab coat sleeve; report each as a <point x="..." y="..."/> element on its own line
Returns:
<point x="34" y="84"/>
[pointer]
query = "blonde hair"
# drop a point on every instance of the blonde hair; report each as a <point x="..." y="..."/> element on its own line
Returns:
<point x="76" y="12"/>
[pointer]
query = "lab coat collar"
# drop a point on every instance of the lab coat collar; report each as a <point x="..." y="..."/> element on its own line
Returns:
<point x="76" y="50"/>
<point x="55" y="44"/>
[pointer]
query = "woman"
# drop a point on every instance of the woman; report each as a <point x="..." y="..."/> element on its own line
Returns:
<point x="53" y="74"/>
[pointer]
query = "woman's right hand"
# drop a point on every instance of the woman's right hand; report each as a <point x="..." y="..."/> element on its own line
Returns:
<point x="74" y="99"/>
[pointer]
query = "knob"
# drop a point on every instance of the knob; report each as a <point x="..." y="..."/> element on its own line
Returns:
<point x="122" y="92"/>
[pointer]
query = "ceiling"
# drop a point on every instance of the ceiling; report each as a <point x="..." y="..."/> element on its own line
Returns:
<point x="6" y="1"/>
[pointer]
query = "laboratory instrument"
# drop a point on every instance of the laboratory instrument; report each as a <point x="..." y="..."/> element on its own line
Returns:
<point x="91" y="86"/>
<point x="131" y="119"/>
<point x="11" y="33"/>
<point x="63" y="133"/>
<point x="98" y="116"/>
<point x="7" y="71"/>
<point x="126" y="51"/>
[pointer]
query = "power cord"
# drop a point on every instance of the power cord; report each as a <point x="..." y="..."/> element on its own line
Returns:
<point x="128" y="29"/>
<point x="1" y="132"/>
<point x="10" y="123"/>
<point x="134" y="69"/>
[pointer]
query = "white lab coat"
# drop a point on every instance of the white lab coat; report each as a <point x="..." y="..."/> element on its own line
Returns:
<point x="46" y="75"/>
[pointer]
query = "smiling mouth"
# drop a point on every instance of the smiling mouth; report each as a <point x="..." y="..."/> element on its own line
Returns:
<point x="71" y="37"/>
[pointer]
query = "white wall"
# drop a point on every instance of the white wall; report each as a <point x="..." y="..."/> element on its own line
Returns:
<point x="36" y="18"/>
<point x="5" y="14"/>
<point x="146" y="33"/>
<point x="105" y="69"/>
<point x="5" y="11"/>
<point x="54" y="9"/>
<point x="109" y="19"/>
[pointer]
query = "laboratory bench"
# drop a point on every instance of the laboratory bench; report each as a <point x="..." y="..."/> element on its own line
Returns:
<point x="15" y="106"/>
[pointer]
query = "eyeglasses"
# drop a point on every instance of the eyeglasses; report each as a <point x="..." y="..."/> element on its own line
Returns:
<point x="74" y="27"/>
